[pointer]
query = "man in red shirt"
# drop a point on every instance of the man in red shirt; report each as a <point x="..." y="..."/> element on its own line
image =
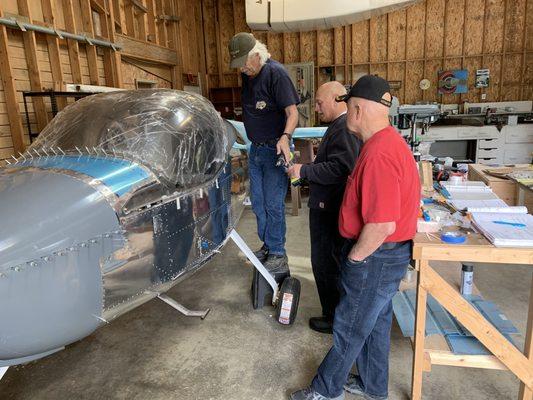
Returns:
<point x="378" y="217"/>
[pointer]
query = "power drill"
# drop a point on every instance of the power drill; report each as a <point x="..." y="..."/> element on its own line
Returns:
<point x="281" y="162"/>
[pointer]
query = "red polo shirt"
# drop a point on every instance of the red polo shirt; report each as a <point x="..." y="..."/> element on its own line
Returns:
<point x="383" y="187"/>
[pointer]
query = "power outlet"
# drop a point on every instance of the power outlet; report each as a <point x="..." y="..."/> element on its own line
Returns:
<point x="483" y="96"/>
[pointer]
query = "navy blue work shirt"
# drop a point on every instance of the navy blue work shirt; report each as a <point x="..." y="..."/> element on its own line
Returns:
<point x="264" y="98"/>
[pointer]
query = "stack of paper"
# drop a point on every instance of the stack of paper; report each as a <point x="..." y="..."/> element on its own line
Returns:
<point x="505" y="229"/>
<point x="476" y="204"/>
<point x="469" y="191"/>
<point x="448" y="184"/>
<point x="485" y="195"/>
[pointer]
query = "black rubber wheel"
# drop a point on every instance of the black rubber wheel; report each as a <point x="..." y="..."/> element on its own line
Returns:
<point x="288" y="299"/>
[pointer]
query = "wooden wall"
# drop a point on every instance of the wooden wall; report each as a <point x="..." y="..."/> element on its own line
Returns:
<point x="161" y="40"/>
<point x="406" y="46"/>
<point x="177" y="42"/>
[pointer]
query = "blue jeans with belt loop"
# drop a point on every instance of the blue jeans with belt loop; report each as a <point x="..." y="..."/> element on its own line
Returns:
<point x="268" y="188"/>
<point x="363" y="319"/>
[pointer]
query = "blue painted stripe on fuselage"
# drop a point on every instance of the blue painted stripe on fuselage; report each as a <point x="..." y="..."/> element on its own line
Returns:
<point x="119" y="175"/>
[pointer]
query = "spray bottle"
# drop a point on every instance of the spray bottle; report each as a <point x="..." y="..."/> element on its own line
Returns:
<point x="467" y="279"/>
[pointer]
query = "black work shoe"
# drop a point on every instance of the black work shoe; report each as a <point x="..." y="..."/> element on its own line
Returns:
<point x="276" y="263"/>
<point x="321" y="324"/>
<point x="262" y="254"/>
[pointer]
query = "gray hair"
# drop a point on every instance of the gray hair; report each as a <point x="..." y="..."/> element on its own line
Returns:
<point x="260" y="49"/>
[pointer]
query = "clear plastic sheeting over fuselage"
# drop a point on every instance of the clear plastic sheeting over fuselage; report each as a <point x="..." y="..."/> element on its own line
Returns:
<point x="177" y="135"/>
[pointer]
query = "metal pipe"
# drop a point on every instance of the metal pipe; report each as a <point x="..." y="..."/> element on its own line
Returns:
<point x="13" y="23"/>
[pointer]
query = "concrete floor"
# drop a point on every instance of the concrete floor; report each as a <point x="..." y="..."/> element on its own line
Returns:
<point x="153" y="352"/>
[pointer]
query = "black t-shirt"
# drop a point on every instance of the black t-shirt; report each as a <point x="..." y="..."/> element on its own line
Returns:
<point x="264" y="99"/>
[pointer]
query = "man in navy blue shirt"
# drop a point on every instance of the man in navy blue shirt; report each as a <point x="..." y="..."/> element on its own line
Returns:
<point x="270" y="116"/>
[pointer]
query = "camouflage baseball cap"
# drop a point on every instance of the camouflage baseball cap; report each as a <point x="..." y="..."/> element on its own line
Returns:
<point x="239" y="47"/>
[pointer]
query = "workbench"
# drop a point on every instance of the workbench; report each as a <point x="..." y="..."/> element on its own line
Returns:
<point x="432" y="351"/>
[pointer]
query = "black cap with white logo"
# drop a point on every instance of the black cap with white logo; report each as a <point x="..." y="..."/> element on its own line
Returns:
<point x="370" y="87"/>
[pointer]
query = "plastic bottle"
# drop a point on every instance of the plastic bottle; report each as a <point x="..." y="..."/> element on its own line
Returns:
<point x="467" y="279"/>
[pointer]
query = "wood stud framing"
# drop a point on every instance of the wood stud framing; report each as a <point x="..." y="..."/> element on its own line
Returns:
<point x="406" y="45"/>
<point x="30" y="48"/>
<point x="73" y="47"/>
<point x="402" y="46"/>
<point x="92" y="57"/>
<point x="52" y="43"/>
<point x="10" y="92"/>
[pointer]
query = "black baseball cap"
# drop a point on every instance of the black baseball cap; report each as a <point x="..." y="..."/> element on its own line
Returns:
<point x="370" y="87"/>
<point x="239" y="46"/>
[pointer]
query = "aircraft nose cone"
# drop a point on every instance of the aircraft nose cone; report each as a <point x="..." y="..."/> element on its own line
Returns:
<point x="52" y="239"/>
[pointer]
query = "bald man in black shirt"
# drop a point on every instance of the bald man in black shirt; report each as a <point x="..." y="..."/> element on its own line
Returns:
<point x="327" y="177"/>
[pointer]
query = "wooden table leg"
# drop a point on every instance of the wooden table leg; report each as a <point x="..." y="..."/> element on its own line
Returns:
<point x="525" y="393"/>
<point x="295" y="193"/>
<point x="420" y="334"/>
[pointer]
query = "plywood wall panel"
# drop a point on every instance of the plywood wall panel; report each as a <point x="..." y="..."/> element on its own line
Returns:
<point x="10" y="6"/>
<point x="512" y="77"/>
<point x="414" y="74"/>
<point x="514" y="25"/>
<point x="405" y="45"/>
<point x="227" y="31"/>
<point x="453" y="40"/>
<point x="291" y="47"/>
<point x="190" y="43"/>
<point x="378" y="38"/>
<point x="36" y="10"/>
<point x="360" y="45"/>
<point x="396" y="72"/>
<point x="210" y="36"/>
<point x="430" y="72"/>
<point x="239" y="15"/>
<point x="473" y="28"/>
<point x="308" y="46"/>
<point x="348" y="45"/>
<point x="397" y="31"/>
<point x="325" y="47"/>
<point x="416" y="24"/>
<point x="494" y="64"/>
<point x="261" y="36"/>
<point x="338" y="38"/>
<point x="59" y="15"/>
<point x="527" y="93"/>
<point x="379" y="70"/>
<point x="435" y="28"/>
<point x="472" y="64"/>
<point x="132" y="72"/>
<point x="494" y="26"/>
<point x="275" y="46"/>
<point x="529" y="25"/>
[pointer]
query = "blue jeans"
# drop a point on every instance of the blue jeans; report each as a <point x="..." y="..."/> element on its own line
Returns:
<point x="268" y="187"/>
<point x="363" y="318"/>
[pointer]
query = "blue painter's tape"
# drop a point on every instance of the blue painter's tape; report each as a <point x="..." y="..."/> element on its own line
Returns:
<point x="453" y="237"/>
<point x="120" y="176"/>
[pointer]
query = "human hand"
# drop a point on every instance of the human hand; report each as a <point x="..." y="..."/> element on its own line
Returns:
<point x="294" y="171"/>
<point x="283" y="147"/>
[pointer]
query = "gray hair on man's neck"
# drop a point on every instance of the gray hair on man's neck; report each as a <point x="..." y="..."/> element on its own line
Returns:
<point x="260" y="49"/>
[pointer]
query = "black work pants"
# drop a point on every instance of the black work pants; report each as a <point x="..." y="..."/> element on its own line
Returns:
<point x="325" y="245"/>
